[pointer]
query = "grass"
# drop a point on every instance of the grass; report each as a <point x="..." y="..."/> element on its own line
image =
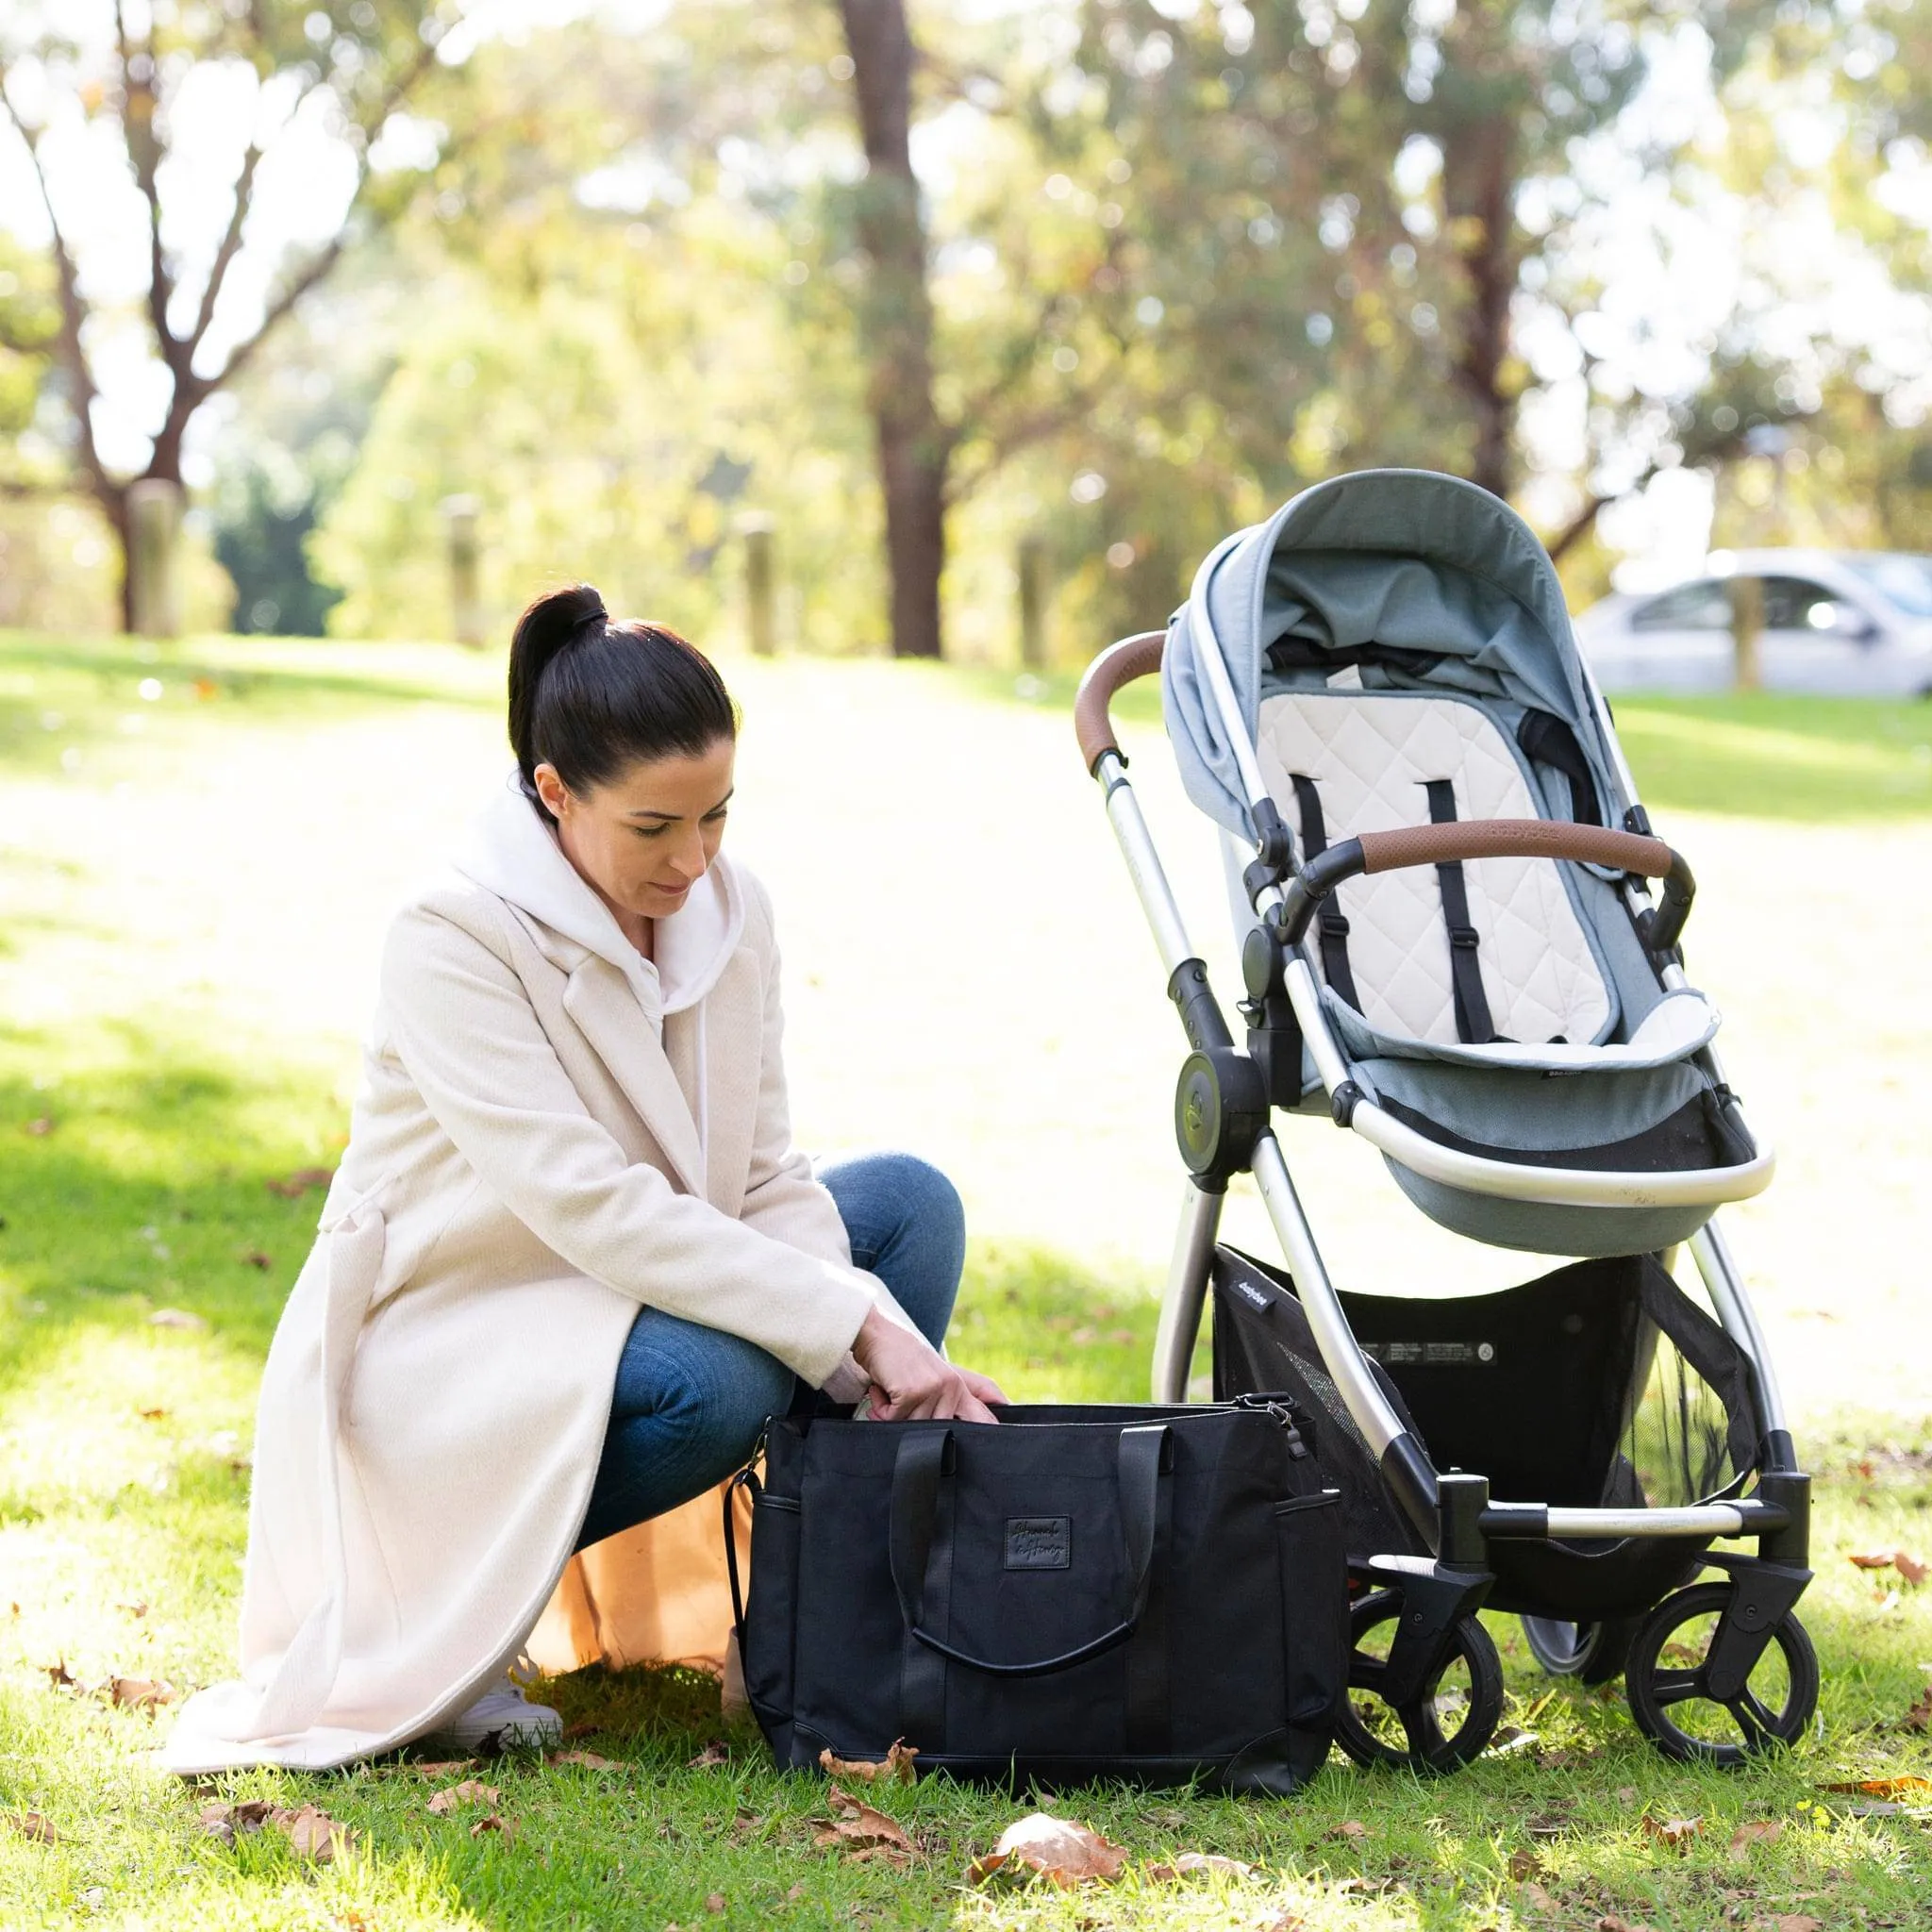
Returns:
<point x="139" y="1141"/>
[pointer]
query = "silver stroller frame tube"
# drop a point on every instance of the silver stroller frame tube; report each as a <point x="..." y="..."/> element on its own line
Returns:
<point x="1427" y="1498"/>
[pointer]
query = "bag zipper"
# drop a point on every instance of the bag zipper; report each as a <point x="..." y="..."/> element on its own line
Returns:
<point x="1282" y="1410"/>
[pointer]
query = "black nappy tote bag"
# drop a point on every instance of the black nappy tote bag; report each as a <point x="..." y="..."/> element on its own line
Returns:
<point x="1144" y="1594"/>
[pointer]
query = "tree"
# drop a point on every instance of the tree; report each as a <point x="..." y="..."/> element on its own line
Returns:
<point x="346" y="68"/>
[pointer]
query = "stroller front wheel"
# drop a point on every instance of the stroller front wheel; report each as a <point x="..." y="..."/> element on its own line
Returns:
<point x="1591" y="1653"/>
<point x="1448" y="1724"/>
<point x="1667" y="1681"/>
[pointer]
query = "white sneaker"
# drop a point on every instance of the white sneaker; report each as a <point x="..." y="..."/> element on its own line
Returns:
<point x="502" y="1719"/>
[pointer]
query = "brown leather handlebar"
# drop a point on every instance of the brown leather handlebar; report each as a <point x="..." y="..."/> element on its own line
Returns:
<point x="1119" y="664"/>
<point x="1515" y="839"/>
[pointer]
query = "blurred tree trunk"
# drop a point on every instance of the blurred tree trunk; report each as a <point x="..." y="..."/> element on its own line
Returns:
<point x="895" y="325"/>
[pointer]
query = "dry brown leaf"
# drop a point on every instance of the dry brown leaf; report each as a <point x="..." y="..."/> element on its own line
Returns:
<point x="1057" y="1848"/>
<point x="573" y="1732"/>
<point x="313" y="1833"/>
<point x="1796" y="1922"/>
<point x="859" y="1825"/>
<point x="1908" y="1566"/>
<point x="1536" y="1898"/>
<point x="254" y="1257"/>
<point x="31" y="1824"/>
<point x="1881" y="1787"/>
<point x="1919" y="1717"/>
<point x="471" y="1791"/>
<point x="39" y="1129"/>
<point x="1610" y="1922"/>
<point x="176" y="1318"/>
<point x="1756" y="1831"/>
<point x="1524" y="1863"/>
<point x="1348" y="1828"/>
<point x="1510" y="1739"/>
<point x="880" y="1855"/>
<point x="1627" y="1794"/>
<point x="133" y="1610"/>
<point x="715" y="1903"/>
<point x="896" y="1767"/>
<point x="59" y="1675"/>
<point x="441" y="1767"/>
<point x="140" y="1693"/>
<point x="150" y="1415"/>
<point x="1287" y="1922"/>
<point x="1673" y="1833"/>
<point x="301" y="1181"/>
<point x="493" y="1826"/>
<point x="1197" y="1865"/>
<point x="1869" y="1560"/>
<point x="713" y="1754"/>
<point x="589" y="1760"/>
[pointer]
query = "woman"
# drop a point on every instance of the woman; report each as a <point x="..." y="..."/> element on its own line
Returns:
<point x="570" y="1259"/>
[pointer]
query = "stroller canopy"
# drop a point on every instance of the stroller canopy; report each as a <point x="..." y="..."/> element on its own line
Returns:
<point x="1396" y="568"/>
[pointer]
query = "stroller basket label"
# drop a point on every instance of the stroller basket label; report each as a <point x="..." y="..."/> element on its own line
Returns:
<point x="1430" y="1355"/>
<point x="1040" y="1543"/>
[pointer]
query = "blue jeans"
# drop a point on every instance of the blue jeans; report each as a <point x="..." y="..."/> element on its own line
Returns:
<point x="690" y="1400"/>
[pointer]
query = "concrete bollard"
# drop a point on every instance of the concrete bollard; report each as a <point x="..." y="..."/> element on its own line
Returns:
<point x="460" y="515"/>
<point x="154" y="551"/>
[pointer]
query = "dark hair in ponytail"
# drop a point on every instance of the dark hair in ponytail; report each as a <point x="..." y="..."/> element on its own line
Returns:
<point x="593" y="698"/>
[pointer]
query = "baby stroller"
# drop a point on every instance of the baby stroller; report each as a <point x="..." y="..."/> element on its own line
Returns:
<point x="1451" y="949"/>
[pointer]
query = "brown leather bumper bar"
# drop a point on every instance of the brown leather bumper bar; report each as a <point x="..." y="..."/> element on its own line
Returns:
<point x="1119" y="664"/>
<point x="1460" y="839"/>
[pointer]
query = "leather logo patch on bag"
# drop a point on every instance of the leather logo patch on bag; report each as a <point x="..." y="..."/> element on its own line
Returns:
<point x="1040" y="1543"/>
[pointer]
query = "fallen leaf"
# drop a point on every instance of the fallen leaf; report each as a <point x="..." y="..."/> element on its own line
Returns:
<point x="469" y="1792"/>
<point x="1536" y="1898"/>
<point x="1919" y="1717"/>
<point x="715" y="1903"/>
<point x="225" y="1821"/>
<point x="572" y="1732"/>
<point x="59" y="1675"/>
<point x="441" y="1767"/>
<point x="1756" y="1831"/>
<point x="714" y="1752"/>
<point x="1610" y="1922"/>
<point x="39" y="1129"/>
<point x="133" y="1610"/>
<point x="896" y="1767"/>
<point x="859" y="1825"/>
<point x="1627" y="1794"/>
<point x="589" y="1760"/>
<point x="1349" y="1827"/>
<point x="1869" y="1560"/>
<point x="797" y="1893"/>
<point x="1197" y="1865"/>
<point x="1057" y="1848"/>
<point x="1796" y="1922"/>
<point x="1673" y="1833"/>
<point x="1364" y="1887"/>
<point x="1881" y="1787"/>
<point x="31" y="1824"/>
<point x="745" y="1822"/>
<point x="1510" y="1739"/>
<point x="140" y="1693"/>
<point x="1679" y="1654"/>
<point x="254" y="1257"/>
<point x="150" y="1415"/>
<point x="1524" y="1863"/>
<point x="176" y="1318"/>
<point x="301" y="1181"/>
<point x="1908" y="1566"/>
<point x="880" y="1855"/>
<point x="500" y="1828"/>
<point x="313" y="1833"/>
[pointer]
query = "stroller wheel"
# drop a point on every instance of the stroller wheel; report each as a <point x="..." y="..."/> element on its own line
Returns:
<point x="1445" y="1728"/>
<point x="1665" y="1678"/>
<point x="1591" y="1653"/>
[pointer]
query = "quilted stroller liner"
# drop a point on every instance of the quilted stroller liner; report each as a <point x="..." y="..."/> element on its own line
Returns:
<point x="1600" y="1384"/>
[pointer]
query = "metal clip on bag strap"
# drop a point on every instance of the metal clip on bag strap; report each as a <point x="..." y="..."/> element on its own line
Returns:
<point x="926" y="1458"/>
<point x="1473" y="1025"/>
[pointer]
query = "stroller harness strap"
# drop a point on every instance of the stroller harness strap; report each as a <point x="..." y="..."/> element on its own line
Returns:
<point x="1333" y="926"/>
<point x="1474" y="1025"/>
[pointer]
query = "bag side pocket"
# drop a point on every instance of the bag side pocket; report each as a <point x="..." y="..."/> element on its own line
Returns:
<point x="770" y="1618"/>
<point x="1314" y="1607"/>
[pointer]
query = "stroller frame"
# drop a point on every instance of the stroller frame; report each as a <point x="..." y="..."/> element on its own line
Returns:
<point x="1224" y="1124"/>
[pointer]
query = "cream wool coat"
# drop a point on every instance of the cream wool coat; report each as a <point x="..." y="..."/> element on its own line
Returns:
<point x="551" y="1132"/>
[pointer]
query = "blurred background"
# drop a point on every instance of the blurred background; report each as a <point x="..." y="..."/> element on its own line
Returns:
<point x="959" y="327"/>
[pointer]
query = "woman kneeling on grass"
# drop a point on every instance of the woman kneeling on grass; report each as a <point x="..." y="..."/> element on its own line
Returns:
<point x="572" y="1260"/>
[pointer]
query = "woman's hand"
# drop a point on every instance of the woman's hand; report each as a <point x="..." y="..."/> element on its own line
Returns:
<point x="912" y="1381"/>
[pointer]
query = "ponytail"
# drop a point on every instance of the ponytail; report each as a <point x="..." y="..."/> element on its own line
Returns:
<point x="591" y="697"/>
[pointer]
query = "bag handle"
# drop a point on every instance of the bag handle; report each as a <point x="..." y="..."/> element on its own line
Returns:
<point x="926" y="1456"/>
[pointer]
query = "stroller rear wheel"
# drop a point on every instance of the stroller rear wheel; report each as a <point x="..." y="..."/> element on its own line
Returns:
<point x="1442" y="1729"/>
<point x="1667" y="1679"/>
<point x="1591" y="1653"/>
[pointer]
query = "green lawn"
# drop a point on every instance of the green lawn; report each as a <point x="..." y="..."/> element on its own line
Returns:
<point x="146" y="1156"/>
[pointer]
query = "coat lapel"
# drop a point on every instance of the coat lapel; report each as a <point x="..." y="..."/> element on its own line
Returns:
<point x="736" y="1006"/>
<point x="600" y="1001"/>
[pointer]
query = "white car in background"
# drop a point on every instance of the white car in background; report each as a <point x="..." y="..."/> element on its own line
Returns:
<point x="1844" y="623"/>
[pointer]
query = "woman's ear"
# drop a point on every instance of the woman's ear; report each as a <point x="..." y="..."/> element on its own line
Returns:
<point x="552" y="791"/>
